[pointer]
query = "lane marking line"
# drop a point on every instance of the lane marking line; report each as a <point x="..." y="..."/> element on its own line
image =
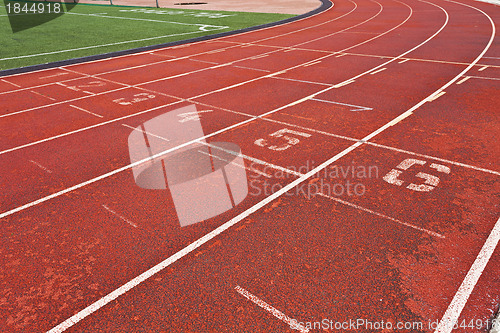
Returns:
<point x="303" y="81"/>
<point x="355" y="107"/>
<point x="92" y="113"/>
<point x="485" y="78"/>
<point x="464" y="291"/>
<point x="482" y="68"/>
<point x="204" y="61"/>
<point x="40" y="166"/>
<point x="463" y="80"/>
<point x="311" y="63"/>
<point x="259" y="56"/>
<point x="278" y="314"/>
<point x="345" y="83"/>
<point x="403" y="61"/>
<point x="39" y="94"/>
<point x="378" y="71"/>
<point x="254" y="69"/>
<point x="340" y="55"/>
<point x="15" y="85"/>
<point x="119" y="216"/>
<point x="433" y="97"/>
<point x="432" y="233"/>
<point x="50" y="76"/>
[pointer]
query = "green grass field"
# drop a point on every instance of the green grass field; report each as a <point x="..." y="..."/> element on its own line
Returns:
<point x="95" y="29"/>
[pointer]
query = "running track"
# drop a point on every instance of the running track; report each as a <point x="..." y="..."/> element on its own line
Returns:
<point x="367" y="83"/>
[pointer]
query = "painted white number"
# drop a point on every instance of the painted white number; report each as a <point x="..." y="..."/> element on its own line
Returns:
<point x="138" y="98"/>
<point x="430" y="181"/>
<point x="290" y="141"/>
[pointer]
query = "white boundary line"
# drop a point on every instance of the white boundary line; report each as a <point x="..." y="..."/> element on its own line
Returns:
<point x="462" y="295"/>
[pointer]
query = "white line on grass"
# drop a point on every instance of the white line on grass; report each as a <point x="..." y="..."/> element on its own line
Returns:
<point x="102" y="45"/>
<point x="202" y="26"/>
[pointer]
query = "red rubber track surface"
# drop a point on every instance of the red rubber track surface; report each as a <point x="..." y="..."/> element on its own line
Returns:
<point x="367" y="83"/>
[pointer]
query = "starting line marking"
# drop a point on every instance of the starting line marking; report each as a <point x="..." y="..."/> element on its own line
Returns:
<point x="482" y="68"/>
<point x="275" y="312"/>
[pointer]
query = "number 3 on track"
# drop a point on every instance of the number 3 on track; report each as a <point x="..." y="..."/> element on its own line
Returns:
<point x="290" y="141"/>
<point x="430" y="181"/>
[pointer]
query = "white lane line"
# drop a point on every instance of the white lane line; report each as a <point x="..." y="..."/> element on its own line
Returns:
<point x="433" y="97"/>
<point x="215" y="51"/>
<point x="50" y="76"/>
<point x="485" y="78"/>
<point x="378" y="71"/>
<point x="463" y="80"/>
<point x="432" y="233"/>
<point x="491" y="57"/>
<point x="204" y="61"/>
<point x="345" y="83"/>
<point x="403" y="61"/>
<point x="41" y="166"/>
<point x="311" y="63"/>
<point x="462" y="295"/>
<point x="303" y="81"/>
<point x="119" y="216"/>
<point x="482" y="68"/>
<point x="15" y="85"/>
<point x="354" y="107"/>
<point x="278" y="314"/>
<point x="340" y="55"/>
<point x="146" y="132"/>
<point x="254" y="69"/>
<point x="37" y="93"/>
<point x="259" y="56"/>
<point x="92" y="113"/>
